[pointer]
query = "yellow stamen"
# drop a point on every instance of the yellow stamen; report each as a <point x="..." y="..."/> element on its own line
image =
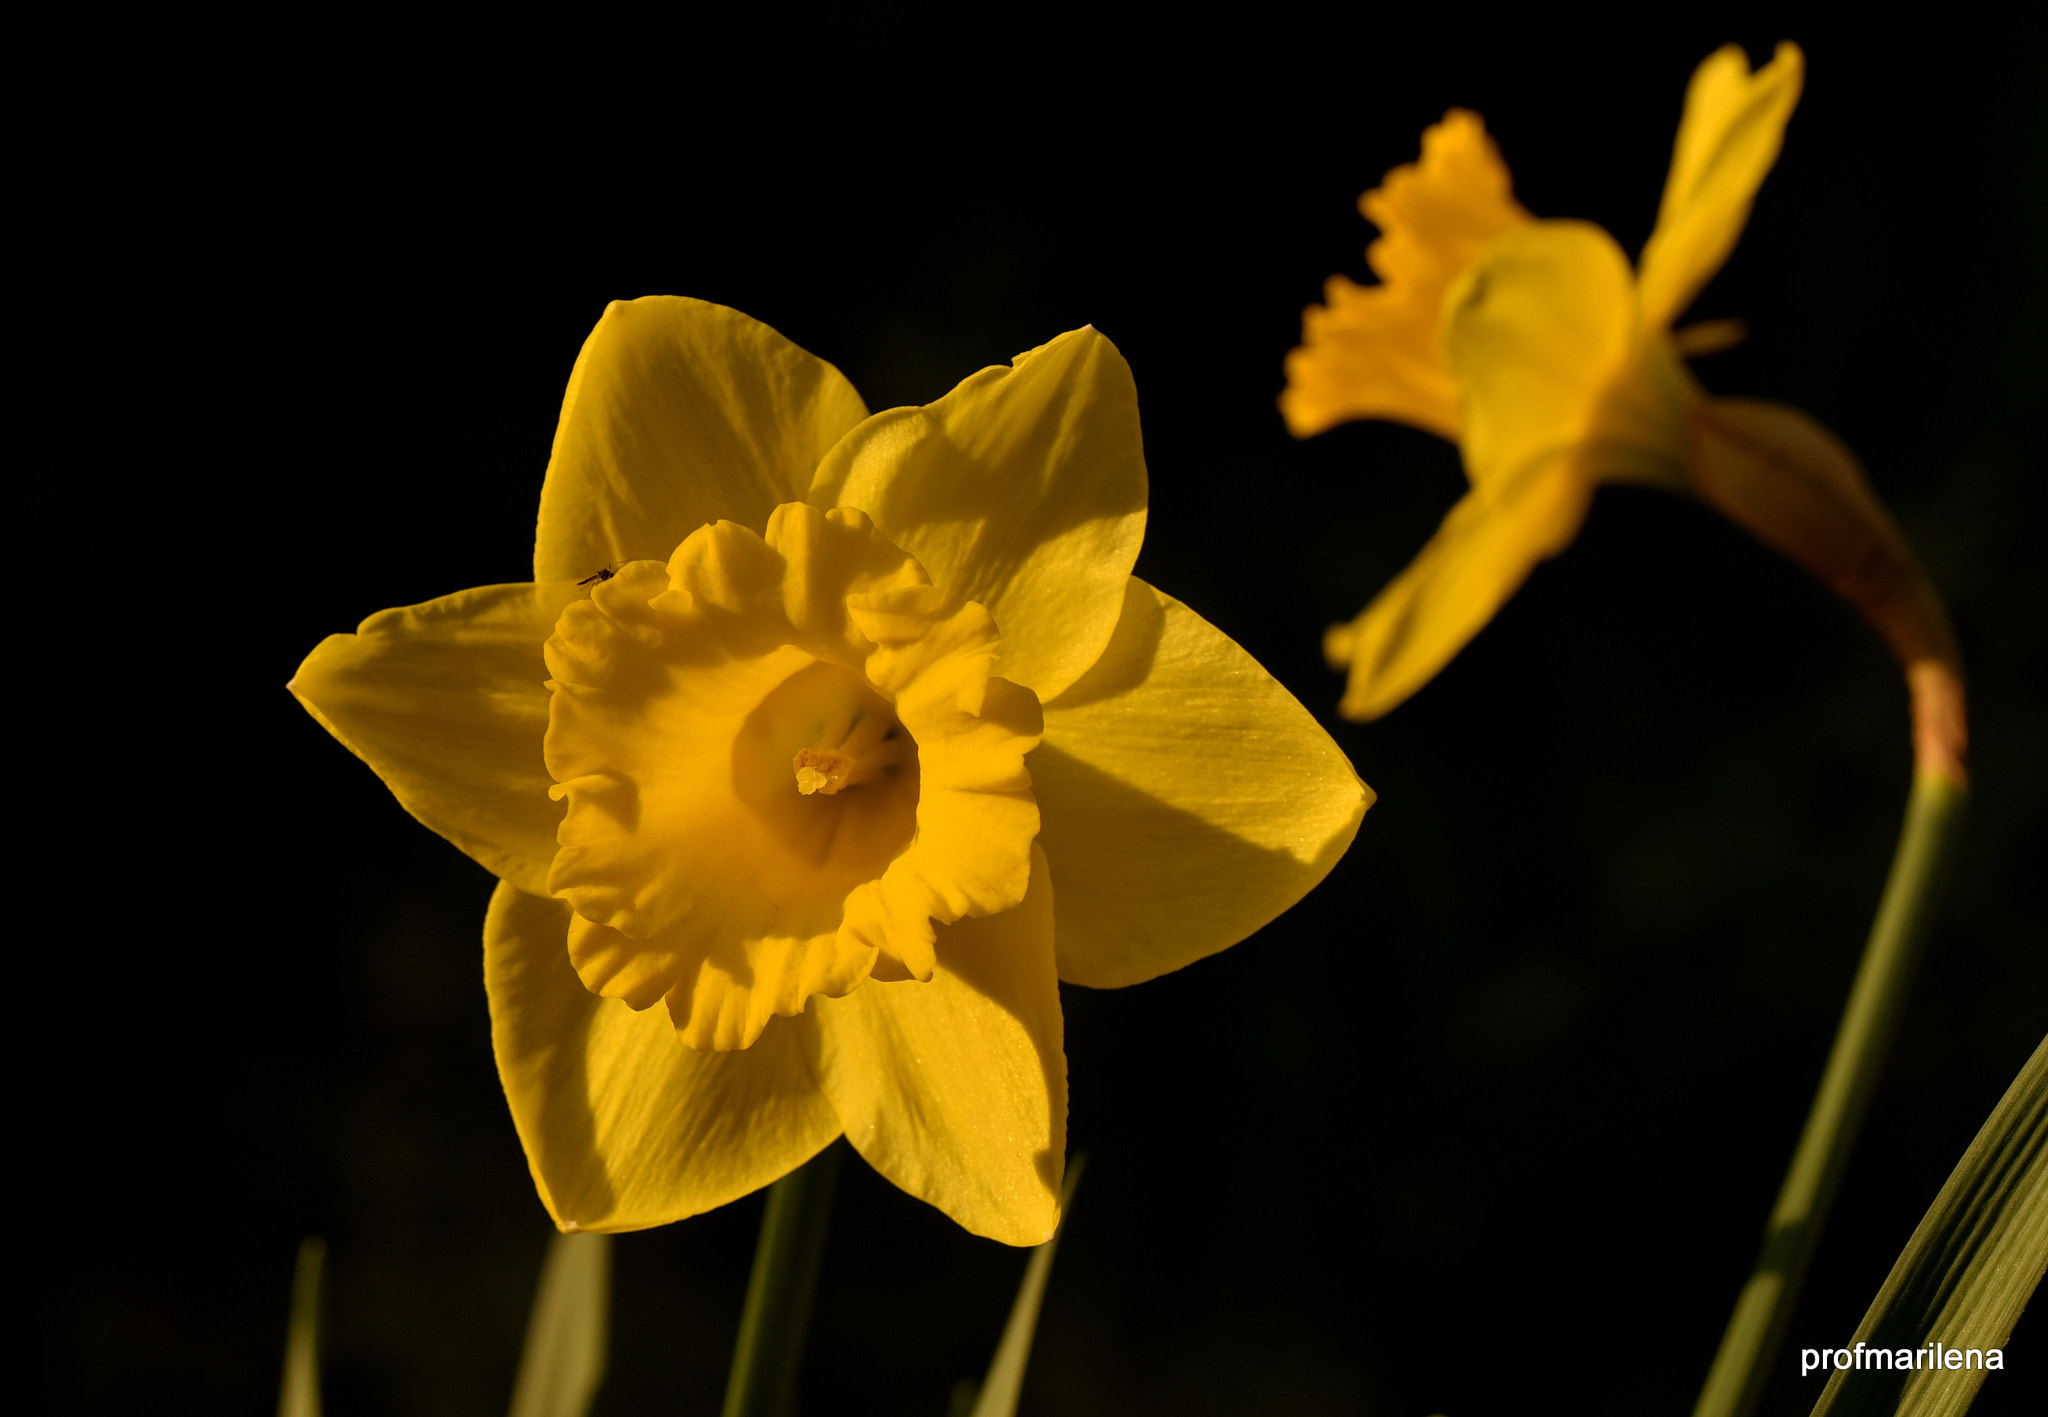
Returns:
<point x="1709" y="337"/>
<point x="822" y="770"/>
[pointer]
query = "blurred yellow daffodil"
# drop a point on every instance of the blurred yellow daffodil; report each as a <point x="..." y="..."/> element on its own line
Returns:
<point x="846" y="738"/>
<point x="1555" y="368"/>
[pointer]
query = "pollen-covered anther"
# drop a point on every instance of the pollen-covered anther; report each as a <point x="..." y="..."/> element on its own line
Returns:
<point x="821" y="770"/>
<point x="870" y="747"/>
<point x="873" y="748"/>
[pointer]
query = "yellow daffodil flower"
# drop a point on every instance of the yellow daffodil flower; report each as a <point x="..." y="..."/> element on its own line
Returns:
<point x="1555" y="368"/>
<point x="844" y="738"/>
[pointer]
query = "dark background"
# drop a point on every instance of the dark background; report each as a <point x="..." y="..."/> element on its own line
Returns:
<point x="1489" y="1124"/>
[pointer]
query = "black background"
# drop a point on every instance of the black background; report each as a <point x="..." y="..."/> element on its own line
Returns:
<point x="1489" y="1124"/>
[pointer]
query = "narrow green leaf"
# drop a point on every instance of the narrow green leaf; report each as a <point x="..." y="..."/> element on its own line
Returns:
<point x="768" y="1357"/>
<point x="1005" y="1380"/>
<point x="1965" y="1275"/>
<point x="299" y="1395"/>
<point x="563" y="1361"/>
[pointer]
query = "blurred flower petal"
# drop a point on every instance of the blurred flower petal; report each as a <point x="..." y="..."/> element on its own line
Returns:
<point x="1733" y="126"/>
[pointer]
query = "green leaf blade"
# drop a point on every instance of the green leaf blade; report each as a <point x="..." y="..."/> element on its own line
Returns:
<point x="564" y="1358"/>
<point x="1005" y="1381"/>
<point x="1969" y="1269"/>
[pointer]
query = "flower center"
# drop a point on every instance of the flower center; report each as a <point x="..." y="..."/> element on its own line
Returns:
<point x="822" y="770"/>
<point x="843" y="743"/>
<point x="784" y="758"/>
<point x="853" y="744"/>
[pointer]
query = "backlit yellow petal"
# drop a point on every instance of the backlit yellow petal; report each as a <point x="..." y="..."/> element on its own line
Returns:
<point x="1481" y="554"/>
<point x="956" y="1089"/>
<point x="447" y="702"/>
<point x="1188" y="798"/>
<point x="1023" y="489"/>
<point x="680" y="412"/>
<point x="1733" y="126"/>
<point x="623" y="1126"/>
<point x="1536" y="332"/>
<point x="1376" y="351"/>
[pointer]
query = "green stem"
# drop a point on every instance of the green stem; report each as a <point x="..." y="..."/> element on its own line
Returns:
<point x="770" y="1348"/>
<point x="1743" y="1365"/>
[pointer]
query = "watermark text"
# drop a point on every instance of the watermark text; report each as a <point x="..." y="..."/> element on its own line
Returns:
<point x="1933" y="1355"/>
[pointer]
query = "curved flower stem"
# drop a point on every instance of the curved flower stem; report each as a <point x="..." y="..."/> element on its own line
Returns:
<point x="1742" y="1367"/>
<point x="770" y="1348"/>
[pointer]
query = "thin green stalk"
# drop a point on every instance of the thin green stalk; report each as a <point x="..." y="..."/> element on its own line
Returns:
<point x="300" y="1394"/>
<point x="1005" y="1381"/>
<point x="770" y="1348"/>
<point x="562" y="1364"/>
<point x="1743" y="1365"/>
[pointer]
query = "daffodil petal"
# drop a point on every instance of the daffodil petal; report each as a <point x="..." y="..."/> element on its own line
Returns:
<point x="1733" y="126"/>
<point x="1023" y="489"/>
<point x="447" y="703"/>
<point x="1481" y="554"/>
<point x="956" y="1088"/>
<point x="679" y="413"/>
<point x="1373" y="351"/>
<point x="624" y="1125"/>
<point x="1535" y="333"/>
<point x="1187" y="798"/>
